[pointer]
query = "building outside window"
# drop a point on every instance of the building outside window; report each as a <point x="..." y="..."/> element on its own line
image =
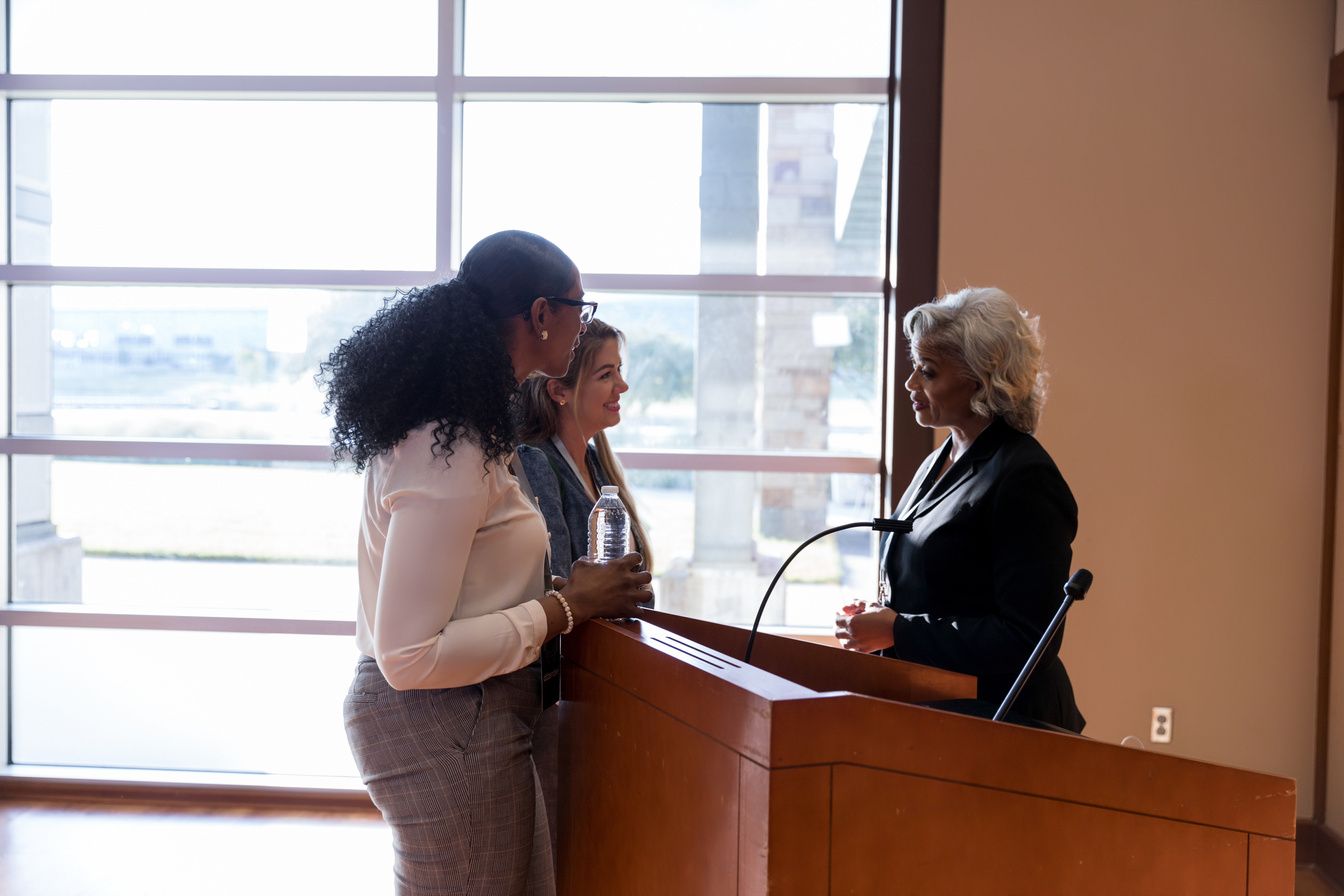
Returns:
<point x="206" y="197"/>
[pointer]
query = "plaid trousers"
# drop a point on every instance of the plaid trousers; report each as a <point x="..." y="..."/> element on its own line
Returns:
<point x="451" y="770"/>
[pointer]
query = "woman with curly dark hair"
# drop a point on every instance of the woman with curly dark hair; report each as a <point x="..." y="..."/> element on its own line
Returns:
<point x="454" y="603"/>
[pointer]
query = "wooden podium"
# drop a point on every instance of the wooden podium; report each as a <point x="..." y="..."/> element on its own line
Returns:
<point x="684" y="771"/>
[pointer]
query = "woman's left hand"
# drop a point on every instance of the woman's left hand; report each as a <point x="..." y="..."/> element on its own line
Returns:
<point x="611" y="590"/>
<point x="866" y="632"/>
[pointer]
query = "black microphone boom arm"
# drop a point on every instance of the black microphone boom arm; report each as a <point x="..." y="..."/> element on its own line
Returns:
<point x="1074" y="589"/>
<point x="881" y="525"/>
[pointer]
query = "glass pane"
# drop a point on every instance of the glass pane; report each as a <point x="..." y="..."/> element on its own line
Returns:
<point x="223" y="37"/>
<point x="231" y="184"/>
<point x="758" y="38"/>
<point x="178" y="362"/>
<point x="745" y="372"/>
<point x="719" y="538"/>
<point x="682" y="187"/>
<point x="198" y="701"/>
<point x="164" y="535"/>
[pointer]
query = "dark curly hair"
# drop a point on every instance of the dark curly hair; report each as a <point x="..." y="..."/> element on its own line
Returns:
<point x="437" y="354"/>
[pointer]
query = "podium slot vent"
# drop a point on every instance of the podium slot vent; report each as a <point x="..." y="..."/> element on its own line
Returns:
<point x="695" y="651"/>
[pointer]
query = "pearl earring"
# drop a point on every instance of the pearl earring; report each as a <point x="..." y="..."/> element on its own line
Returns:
<point x="545" y="335"/>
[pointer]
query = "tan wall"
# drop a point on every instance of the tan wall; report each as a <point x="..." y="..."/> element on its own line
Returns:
<point x="1154" y="177"/>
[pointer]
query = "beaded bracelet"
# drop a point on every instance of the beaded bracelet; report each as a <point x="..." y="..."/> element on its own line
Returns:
<point x="564" y="604"/>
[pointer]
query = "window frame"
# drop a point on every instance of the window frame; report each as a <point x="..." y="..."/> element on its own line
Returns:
<point x="911" y="237"/>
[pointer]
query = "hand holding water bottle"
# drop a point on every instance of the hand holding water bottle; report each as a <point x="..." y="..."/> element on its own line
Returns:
<point x="608" y="584"/>
<point x="609" y="590"/>
<point x="609" y="531"/>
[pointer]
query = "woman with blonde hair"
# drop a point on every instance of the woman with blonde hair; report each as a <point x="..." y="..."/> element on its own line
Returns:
<point x="978" y="579"/>
<point x="564" y="450"/>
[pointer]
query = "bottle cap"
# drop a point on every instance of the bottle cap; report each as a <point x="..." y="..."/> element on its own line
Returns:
<point x="610" y="490"/>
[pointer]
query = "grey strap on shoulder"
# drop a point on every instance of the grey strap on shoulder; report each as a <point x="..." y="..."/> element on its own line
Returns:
<point x="550" y="650"/>
<point x="516" y="467"/>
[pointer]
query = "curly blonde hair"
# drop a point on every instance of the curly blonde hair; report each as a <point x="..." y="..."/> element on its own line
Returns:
<point x="997" y="343"/>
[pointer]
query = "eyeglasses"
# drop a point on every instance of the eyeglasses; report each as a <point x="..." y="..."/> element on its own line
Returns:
<point x="587" y="310"/>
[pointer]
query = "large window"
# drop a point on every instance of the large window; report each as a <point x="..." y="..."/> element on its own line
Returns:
<point x="206" y="197"/>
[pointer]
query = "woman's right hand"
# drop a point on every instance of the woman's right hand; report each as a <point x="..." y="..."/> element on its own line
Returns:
<point x="606" y="590"/>
<point x="866" y="630"/>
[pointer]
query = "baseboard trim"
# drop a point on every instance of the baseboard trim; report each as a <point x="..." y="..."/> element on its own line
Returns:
<point x="126" y="786"/>
<point x="1321" y="848"/>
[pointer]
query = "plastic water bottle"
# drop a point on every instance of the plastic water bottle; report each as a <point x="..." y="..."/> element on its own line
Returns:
<point x="608" y="527"/>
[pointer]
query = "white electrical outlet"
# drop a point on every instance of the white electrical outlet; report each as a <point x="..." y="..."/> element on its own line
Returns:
<point x="1161" y="733"/>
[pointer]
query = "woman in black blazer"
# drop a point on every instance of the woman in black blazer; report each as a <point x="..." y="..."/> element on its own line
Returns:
<point x="975" y="584"/>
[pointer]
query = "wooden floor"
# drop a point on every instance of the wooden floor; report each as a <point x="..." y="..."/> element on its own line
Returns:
<point x="71" y="849"/>
<point x="1310" y="883"/>
<point x="100" y="849"/>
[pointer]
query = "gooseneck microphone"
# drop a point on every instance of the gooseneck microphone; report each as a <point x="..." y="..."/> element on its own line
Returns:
<point x="881" y="525"/>
<point x="1074" y="589"/>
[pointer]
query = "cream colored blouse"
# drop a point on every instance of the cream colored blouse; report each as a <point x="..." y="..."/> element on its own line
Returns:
<point x="450" y="567"/>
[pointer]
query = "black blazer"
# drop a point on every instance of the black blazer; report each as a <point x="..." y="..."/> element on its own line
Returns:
<point x="982" y="573"/>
